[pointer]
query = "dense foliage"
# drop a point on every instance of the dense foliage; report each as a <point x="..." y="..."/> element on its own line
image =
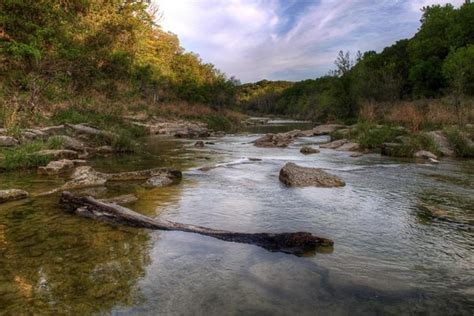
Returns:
<point x="52" y="51"/>
<point x="438" y="61"/>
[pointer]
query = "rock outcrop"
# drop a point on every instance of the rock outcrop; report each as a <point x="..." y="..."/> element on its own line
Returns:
<point x="326" y="129"/>
<point x="349" y="146"/>
<point x="335" y="144"/>
<point x="297" y="176"/>
<point x="72" y="143"/>
<point x="8" y="141"/>
<point x="56" y="167"/>
<point x="442" y="143"/>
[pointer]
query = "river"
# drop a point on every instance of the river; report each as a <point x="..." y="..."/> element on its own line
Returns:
<point x="389" y="256"/>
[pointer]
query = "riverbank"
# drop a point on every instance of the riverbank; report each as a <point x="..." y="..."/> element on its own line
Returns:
<point x="94" y="130"/>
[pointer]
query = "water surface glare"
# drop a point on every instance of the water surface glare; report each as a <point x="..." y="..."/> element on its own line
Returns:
<point x="390" y="256"/>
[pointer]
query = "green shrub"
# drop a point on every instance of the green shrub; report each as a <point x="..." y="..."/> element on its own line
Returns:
<point x="218" y="123"/>
<point x="24" y="157"/>
<point x="372" y="137"/>
<point x="460" y="143"/>
<point x="336" y="135"/>
<point x="123" y="141"/>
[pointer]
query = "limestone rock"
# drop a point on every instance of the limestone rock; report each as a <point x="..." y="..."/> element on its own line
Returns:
<point x="158" y="181"/>
<point x="8" y="141"/>
<point x="56" y="167"/>
<point x="335" y="144"/>
<point x="425" y="155"/>
<point x="12" y="195"/>
<point x="350" y="146"/>
<point x="297" y="176"/>
<point x="85" y="177"/>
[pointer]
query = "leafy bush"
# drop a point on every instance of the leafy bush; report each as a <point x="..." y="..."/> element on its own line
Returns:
<point x="372" y="137"/>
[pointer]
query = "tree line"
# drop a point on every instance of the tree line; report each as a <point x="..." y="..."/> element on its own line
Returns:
<point x="56" y="50"/>
<point x="437" y="62"/>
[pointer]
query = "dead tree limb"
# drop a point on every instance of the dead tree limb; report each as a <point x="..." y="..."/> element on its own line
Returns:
<point x="294" y="243"/>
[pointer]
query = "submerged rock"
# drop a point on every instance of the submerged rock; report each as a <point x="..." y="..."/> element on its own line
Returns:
<point x="8" y="141"/>
<point x="274" y="140"/>
<point x="297" y="176"/>
<point x="158" y="181"/>
<point x="85" y="177"/>
<point x="121" y="199"/>
<point x="199" y="143"/>
<point x="306" y="150"/>
<point x="12" y="195"/>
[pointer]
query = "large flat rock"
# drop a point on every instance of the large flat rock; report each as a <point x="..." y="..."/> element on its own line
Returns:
<point x="12" y="195"/>
<point x="297" y="176"/>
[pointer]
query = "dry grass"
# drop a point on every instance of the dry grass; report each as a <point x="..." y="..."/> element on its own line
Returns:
<point x="430" y="113"/>
<point x="368" y="112"/>
<point x="10" y="114"/>
<point x="407" y="114"/>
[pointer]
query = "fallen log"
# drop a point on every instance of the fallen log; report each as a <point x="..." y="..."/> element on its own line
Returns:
<point x="293" y="243"/>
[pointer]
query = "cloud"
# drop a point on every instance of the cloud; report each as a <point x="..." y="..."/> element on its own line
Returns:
<point x="288" y="40"/>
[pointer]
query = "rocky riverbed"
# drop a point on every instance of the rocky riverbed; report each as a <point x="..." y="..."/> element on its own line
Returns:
<point x="402" y="231"/>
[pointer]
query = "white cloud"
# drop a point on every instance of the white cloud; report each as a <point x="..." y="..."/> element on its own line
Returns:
<point x="252" y="39"/>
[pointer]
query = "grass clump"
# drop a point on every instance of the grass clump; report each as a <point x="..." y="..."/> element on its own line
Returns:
<point x="55" y="142"/>
<point x="460" y="142"/>
<point x="24" y="156"/>
<point x="372" y="137"/>
<point x="123" y="141"/>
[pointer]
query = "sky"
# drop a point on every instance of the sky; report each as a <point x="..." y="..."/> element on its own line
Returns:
<point x="287" y="39"/>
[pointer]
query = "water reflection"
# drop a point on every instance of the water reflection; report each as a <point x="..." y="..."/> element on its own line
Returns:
<point x="55" y="263"/>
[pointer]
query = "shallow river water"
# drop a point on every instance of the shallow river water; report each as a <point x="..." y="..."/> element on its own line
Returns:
<point x="389" y="256"/>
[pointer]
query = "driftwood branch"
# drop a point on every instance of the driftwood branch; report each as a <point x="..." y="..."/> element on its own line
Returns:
<point x="294" y="243"/>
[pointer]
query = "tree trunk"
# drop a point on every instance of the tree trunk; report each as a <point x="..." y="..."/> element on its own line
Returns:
<point x="294" y="243"/>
